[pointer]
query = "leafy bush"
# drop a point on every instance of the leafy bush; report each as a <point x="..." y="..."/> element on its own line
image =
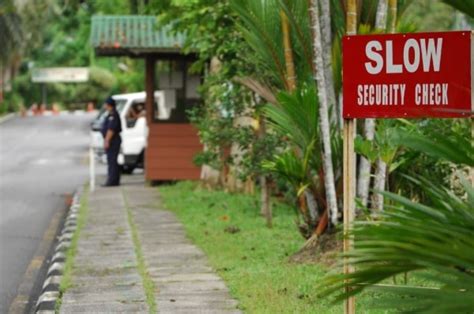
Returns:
<point x="412" y="237"/>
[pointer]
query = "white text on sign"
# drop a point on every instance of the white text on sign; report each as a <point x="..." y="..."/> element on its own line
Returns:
<point x="422" y="54"/>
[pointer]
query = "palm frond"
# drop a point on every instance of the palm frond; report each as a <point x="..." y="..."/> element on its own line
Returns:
<point x="259" y="21"/>
<point x="289" y="166"/>
<point x="457" y="148"/>
<point x="465" y="6"/>
<point x="297" y="12"/>
<point x="411" y="236"/>
<point x="296" y="117"/>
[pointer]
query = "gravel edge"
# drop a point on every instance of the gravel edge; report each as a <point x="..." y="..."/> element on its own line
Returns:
<point x="50" y="289"/>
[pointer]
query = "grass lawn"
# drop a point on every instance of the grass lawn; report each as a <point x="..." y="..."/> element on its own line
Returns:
<point x="252" y="261"/>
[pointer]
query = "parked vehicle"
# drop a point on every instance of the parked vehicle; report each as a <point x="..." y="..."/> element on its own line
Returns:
<point x="131" y="109"/>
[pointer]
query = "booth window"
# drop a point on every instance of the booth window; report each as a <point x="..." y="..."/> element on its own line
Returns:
<point x="177" y="92"/>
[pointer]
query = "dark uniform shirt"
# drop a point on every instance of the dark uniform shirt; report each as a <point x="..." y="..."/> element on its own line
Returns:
<point x="112" y="122"/>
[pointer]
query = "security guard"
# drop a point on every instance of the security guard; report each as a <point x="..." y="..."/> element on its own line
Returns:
<point x="111" y="132"/>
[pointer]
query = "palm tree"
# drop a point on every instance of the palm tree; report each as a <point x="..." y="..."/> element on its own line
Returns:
<point x="275" y="31"/>
<point x="380" y="165"/>
<point x="295" y="118"/>
<point x="322" y="84"/>
<point x="363" y="180"/>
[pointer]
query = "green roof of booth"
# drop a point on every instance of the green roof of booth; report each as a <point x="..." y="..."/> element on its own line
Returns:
<point x="134" y="36"/>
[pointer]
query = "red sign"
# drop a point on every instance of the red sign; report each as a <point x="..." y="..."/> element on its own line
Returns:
<point x="407" y="75"/>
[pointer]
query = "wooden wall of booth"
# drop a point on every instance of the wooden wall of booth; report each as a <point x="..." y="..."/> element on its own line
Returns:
<point x="170" y="152"/>
<point x="171" y="147"/>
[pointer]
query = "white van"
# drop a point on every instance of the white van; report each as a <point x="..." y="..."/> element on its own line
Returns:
<point x="131" y="108"/>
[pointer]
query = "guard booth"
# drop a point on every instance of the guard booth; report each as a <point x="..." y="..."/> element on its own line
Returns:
<point x="172" y="141"/>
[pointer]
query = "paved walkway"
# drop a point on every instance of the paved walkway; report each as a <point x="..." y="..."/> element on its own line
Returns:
<point x="106" y="279"/>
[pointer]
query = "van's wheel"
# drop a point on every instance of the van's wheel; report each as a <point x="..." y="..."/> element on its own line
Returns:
<point x="127" y="169"/>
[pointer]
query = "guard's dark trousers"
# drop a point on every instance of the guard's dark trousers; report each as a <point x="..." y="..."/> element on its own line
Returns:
<point x="113" y="166"/>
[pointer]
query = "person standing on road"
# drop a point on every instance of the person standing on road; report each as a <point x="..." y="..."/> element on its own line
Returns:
<point x="111" y="132"/>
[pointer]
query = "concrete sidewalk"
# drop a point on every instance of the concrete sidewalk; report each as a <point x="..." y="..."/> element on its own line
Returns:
<point x="107" y="276"/>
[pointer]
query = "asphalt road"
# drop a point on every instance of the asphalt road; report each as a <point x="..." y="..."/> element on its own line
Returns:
<point x="41" y="160"/>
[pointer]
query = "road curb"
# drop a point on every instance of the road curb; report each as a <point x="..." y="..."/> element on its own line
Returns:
<point x="50" y="289"/>
<point x="7" y="117"/>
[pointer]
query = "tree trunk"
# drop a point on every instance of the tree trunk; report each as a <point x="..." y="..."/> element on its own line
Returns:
<point x="318" y="64"/>
<point x="289" y="63"/>
<point x="290" y="82"/>
<point x="2" y="83"/>
<point x="340" y="100"/>
<point x="381" y="16"/>
<point x="381" y="166"/>
<point x="363" y="181"/>
<point x="392" y="5"/>
<point x="351" y="17"/>
<point x="325" y="18"/>
<point x="312" y="205"/>
<point x="266" y="206"/>
<point x="210" y="176"/>
<point x="460" y="22"/>
<point x="313" y="239"/>
<point x="379" y="184"/>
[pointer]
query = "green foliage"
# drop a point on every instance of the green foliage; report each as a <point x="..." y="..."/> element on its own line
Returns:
<point x="262" y="32"/>
<point x="296" y="117"/>
<point x="56" y="33"/>
<point x="210" y="32"/>
<point x="411" y="237"/>
<point x="456" y="149"/>
<point x="131" y="78"/>
<point x="260" y="24"/>
<point x="466" y="7"/>
<point x="10" y="30"/>
<point x="429" y="159"/>
<point x="261" y="148"/>
<point x="296" y="120"/>
<point x="100" y="85"/>
<point x="384" y="146"/>
<point x="430" y="15"/>
<point x="216" y="125"/>
<point x="291" y="168"/>
<point x="12" y="102"/>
